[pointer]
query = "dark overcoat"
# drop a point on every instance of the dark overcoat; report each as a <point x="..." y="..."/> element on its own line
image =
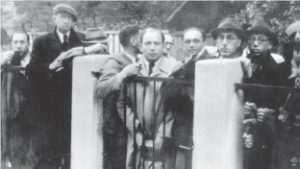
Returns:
<point x="270" y="70"/>
<point x="50" y="120"/>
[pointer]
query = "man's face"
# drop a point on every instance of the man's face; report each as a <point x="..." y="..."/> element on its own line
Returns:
<point x="168" y="44"/>
<point x="259" y="44"/>
<point x="20" y="44"/>
<point x="152" y="46"/>
<point x="63" y="21"/>
<point x="193" y="42"/>
<point x="227" y="44"/>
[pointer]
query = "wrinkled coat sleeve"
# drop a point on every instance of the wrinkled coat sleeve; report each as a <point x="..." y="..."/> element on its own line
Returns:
<point x="108" y="82"/>
<point x="38" y="68"/>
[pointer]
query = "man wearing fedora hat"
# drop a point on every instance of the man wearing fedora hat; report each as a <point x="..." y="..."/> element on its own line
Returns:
<point x="50" y="73"/>
<point x="265" y="69"/>
<point x="229" y="38"/>
<point x="96" y="36"/>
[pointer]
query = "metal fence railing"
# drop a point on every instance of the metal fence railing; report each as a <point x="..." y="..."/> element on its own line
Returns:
<point x="276" y="136"/>
<point x="142" y="101"/>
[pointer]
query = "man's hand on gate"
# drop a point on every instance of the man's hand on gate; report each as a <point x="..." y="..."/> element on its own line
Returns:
<point x="130" y="70"/>
<point x="158" y="143"/>
<point x="264" y="113"/>
<point x="248" y="140"/>
<point x="56" y="65"/>
<point x="6" y="57"/>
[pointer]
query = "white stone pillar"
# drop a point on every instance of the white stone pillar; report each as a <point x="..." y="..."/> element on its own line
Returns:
<point x="217" y="115"/>
<point x="87" y="138"/>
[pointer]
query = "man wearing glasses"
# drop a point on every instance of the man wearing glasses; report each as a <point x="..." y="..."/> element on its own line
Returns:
<point x="193" y="41"/>
<point x="169" y="42"/>
<point x="229" y="38"/>
<point x="265" y="69"/>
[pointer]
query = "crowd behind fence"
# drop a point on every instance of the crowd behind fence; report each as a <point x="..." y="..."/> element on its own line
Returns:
<point x="115" y="47"/>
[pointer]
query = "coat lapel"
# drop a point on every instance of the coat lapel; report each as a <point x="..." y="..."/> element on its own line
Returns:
<point x="56" y="43"/>
<point x="163" y="68"/>
<point x="143" y="71"/>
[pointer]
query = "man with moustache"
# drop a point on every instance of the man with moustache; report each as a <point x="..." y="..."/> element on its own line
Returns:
<point x="145" y="122"/>
<point x="13" y="87"/>
<point x="117" y="68"/>
<point x="265" y="69"/>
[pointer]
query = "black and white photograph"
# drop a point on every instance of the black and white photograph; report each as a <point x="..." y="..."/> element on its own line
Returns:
<point x="150" y="84"/>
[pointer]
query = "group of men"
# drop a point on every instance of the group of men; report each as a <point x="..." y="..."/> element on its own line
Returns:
<point x="176" y="108"/>
<point x="37" y="102"/>
<point x="140" y="118"/>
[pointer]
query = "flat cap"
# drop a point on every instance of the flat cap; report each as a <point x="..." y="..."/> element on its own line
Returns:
<point x="66" y="8"/>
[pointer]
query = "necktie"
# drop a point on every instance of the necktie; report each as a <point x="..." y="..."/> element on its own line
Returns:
<point x="151" y="65"/>
<point x="65" y="43"/>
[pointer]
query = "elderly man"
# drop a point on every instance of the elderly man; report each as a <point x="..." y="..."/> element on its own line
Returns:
<point x="13" y="85"/>
<point x="50" y="72"/>
<point x="265" y="69"/>
<point x="229" y="38"/>
<point x="146" y="114"/>
<point x="169" y="42"/>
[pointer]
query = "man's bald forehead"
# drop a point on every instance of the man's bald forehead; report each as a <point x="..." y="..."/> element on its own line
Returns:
<point x="201" y="31"/>
<point x="152" y="30"/>
<point x="20" y="34"/>
<point x="168" y="37"/>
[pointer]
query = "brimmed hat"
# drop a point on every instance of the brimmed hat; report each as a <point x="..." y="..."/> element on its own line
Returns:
<point x="229" y="24"/>
<point x="66" y="8"/>
<point x="95" y="35"/>
<point x="294" y="27"/>
<point x="261" y="27"/>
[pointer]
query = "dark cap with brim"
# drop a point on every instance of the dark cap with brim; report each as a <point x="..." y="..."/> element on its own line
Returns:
<point x="229" y="24"/>
<point x="261" y="27"/>
<point x="66" y="8"/>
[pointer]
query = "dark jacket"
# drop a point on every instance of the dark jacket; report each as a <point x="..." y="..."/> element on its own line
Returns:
<point x="52" y="93"/>
<point x="269" y="70"/>
<point x="114" y="130"/>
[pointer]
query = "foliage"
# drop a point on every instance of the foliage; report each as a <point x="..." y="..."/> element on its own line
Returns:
<point x="279" y="14"/>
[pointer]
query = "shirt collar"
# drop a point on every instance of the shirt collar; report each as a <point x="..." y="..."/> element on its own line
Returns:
<point x="155" y="64"/>
<point x="61" y="36"/>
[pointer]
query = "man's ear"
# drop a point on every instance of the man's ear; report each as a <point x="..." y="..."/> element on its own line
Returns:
<point x="54" y="18"/>
<point x="140" y="46"/>
<point x="270" y="46"/>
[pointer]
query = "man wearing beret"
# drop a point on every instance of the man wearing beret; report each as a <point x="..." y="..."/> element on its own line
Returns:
<point x="50" y="73"/>
<point x="265" y="69"/>
<point x="229" y="38"/>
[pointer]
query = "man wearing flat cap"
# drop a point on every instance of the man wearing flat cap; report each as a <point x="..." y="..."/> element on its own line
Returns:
<point x="229" y="38"/>
<point x="264" y="69"/>
<point x="50" y="72"/>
